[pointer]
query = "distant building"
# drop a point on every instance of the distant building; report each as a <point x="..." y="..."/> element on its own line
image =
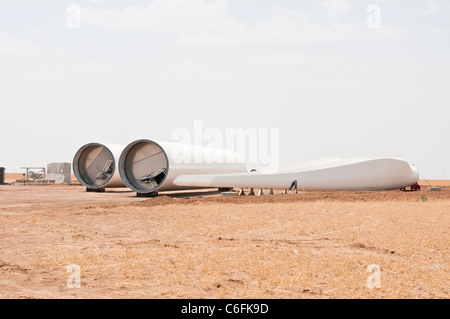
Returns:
<point x="2" y="175"/>
<point x="60" y="173"/>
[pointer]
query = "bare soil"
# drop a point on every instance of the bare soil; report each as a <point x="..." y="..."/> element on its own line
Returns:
<point x="203" y="245"/>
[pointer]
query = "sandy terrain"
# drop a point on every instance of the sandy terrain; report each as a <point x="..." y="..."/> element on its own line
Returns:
<point x="12" y="177"/>
<point x="203" y="245"/>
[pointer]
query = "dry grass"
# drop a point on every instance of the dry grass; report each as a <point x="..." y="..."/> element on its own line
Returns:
<point x="182" y="249"/>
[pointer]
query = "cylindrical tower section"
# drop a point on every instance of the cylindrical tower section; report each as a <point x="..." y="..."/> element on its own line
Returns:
<point x="95" y="166"/>
<point x="147" y="166"/>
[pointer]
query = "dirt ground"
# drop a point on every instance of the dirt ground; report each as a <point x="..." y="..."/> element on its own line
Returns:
<point x="203" y="245"/>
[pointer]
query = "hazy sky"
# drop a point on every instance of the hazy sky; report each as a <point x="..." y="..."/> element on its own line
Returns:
<point x="338" y="78"/>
